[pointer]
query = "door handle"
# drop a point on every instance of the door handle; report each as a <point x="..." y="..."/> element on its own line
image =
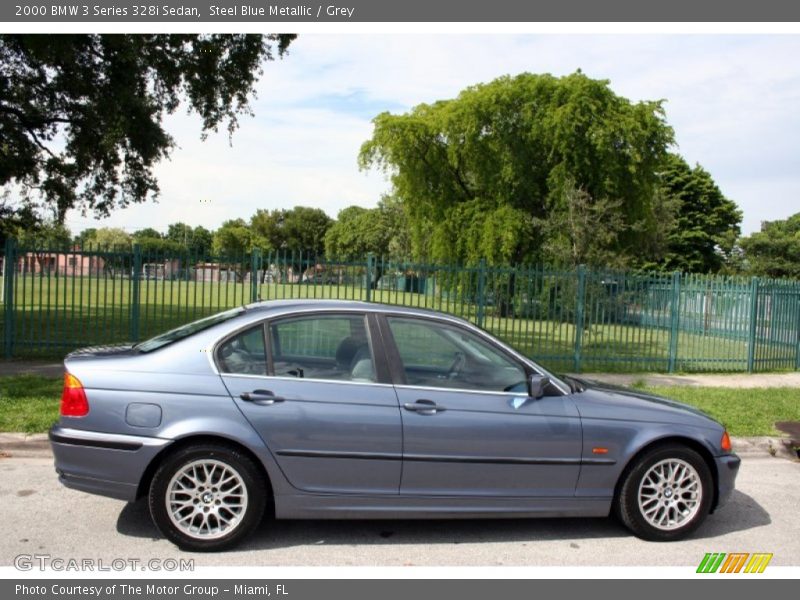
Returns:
<point x="423" y="407"/>
<point x="261" y="397"/>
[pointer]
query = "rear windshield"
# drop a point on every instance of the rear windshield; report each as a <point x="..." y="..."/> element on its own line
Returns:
<point x="185" y="331"/>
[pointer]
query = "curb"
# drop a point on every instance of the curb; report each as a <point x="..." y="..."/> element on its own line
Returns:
<point x="37" y="445"/>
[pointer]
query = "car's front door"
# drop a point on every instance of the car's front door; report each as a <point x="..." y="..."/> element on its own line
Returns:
<point x="313" y="392"/>
<point x="469" y="426"/>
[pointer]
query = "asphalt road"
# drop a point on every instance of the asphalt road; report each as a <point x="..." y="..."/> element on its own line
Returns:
<point x="39" y="516"/>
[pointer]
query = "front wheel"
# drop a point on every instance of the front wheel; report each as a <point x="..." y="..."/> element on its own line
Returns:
<point x="666" y="494"/>
<point x="207" y="497"/>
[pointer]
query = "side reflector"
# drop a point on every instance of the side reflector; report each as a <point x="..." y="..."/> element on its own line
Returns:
<point x="599" y="450"/>
<point x="725" y="443"/>
<point x="73" y="398"/>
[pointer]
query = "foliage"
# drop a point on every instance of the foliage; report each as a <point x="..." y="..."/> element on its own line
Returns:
<point x="233" y="238"/>
<point x="44" y="235"/>
<point x="109" y="237"/>
<point x="359" y="231"/>
<point x="300" y="229"/>
<point x="586" y="232"/>
<point x="81" y="115"/>
<point x="775" y="250"/>
<point x="705" y="221"/>
<point x="477" y="173"/>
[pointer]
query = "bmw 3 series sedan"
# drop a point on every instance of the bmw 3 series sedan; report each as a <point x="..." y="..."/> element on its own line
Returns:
<point x="309" y="409"/>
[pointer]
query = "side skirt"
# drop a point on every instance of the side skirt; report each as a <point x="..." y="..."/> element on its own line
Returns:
<point x="330" y="506"/>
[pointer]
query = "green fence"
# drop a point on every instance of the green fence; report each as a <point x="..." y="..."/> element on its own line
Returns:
<point x="55" y="300"/>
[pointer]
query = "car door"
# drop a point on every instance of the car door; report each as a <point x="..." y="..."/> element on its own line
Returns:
<point x="469" y="425"/>
<point x="312" y="388"/>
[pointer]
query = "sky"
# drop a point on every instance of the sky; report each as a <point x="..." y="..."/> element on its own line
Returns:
<point x="733" y="101"/>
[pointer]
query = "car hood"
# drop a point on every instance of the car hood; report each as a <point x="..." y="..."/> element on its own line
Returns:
<point x="604" y="400"/>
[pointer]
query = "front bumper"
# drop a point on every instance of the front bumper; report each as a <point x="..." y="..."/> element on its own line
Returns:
<point x="727" y="469"/>
<point x="108" y="464"/>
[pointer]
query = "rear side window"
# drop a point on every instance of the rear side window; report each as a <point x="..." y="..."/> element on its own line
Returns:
<point x="334" y="347"/>
<point x="244" y="353"/>
<point x="187" y="330"/>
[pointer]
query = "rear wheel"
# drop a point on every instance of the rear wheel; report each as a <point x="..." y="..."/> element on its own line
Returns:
<point x="207" y="497"/>
<point x="666" y="494"/>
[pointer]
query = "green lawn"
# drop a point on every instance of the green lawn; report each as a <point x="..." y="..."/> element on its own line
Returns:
<point x="745" y="412"/>
<point x="30" y="404"/>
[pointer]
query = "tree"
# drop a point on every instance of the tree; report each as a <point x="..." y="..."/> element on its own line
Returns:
<point x="81" y="115"/>
<point x="110" y="238"/>
<point x="202" y="240"/>
<point x="148" y="233"/>
<point x="506" y="155"/>
<point x="180" y="233"/>
<point x="13" y="219"/>
<point x="300" y="229"/>
<point x="775" y="250"/>
<point x="45" y="235"/>
<point x="705" y="221"/>
<point x="359" y="231"/>
<point x="587" y="232"/>
<point x="234" y="238"/>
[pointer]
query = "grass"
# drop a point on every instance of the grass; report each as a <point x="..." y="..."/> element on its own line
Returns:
<point x="54" y="315"/>
<point x="29" y="403"/>
<point x="745" y="412"/>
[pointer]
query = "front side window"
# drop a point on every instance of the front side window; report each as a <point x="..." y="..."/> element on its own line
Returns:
<point x="438" y="355"/>
<point x="334" y="347"/>
<point x="244" y="353"/>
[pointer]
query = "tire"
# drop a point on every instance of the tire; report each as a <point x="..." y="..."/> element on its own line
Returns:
<point x="666" y="494"/>
<point x="207" y="497"/>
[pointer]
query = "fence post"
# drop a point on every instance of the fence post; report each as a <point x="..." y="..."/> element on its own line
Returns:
<point x="368" y="275"/>
<point x="136" y="275"/>
<point x="255" y="267"/>
<point x="481" y="296"/>
<point x="674" y="320"/>
<point x="9" y="272"/>
<point x="580" y="301"/>
<point x="797" y="329"/>
<point x="751" y="343"/>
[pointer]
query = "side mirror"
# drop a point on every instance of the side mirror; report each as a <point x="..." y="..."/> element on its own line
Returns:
<point x="538" y="384"/>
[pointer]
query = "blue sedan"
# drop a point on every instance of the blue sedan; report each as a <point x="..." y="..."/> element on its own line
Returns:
<point x="309" y="409"/>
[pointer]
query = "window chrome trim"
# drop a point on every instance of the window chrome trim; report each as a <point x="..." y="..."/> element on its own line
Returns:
<point x="385" y="310"/>
<point x="309" y="379"/>
<point x="429" y="388"/>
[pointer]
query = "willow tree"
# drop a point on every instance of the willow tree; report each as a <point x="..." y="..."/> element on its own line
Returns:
<point x="490" y="174"/>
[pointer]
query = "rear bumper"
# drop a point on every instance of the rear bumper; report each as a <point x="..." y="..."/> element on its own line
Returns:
<point x="108" y="464"/>
<point x="727" y="470"/>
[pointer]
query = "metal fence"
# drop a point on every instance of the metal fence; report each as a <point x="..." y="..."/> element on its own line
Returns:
<point x="55" y="300"/>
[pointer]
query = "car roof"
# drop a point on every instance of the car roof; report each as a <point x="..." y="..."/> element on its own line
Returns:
<point x="268" y="306"/>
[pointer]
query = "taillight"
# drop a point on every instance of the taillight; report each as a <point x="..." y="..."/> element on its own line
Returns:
<point x="725" y="443"/>
<point x="73" y="398"/>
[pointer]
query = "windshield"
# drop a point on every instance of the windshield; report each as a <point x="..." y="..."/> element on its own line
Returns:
<point x="185" y="331"/>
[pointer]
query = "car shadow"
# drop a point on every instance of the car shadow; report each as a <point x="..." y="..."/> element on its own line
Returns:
<point x="741" y="513"/>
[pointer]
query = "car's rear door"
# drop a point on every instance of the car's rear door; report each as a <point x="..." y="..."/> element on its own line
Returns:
<point x="469" y="426"/>
<point x="320" y="398"/>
